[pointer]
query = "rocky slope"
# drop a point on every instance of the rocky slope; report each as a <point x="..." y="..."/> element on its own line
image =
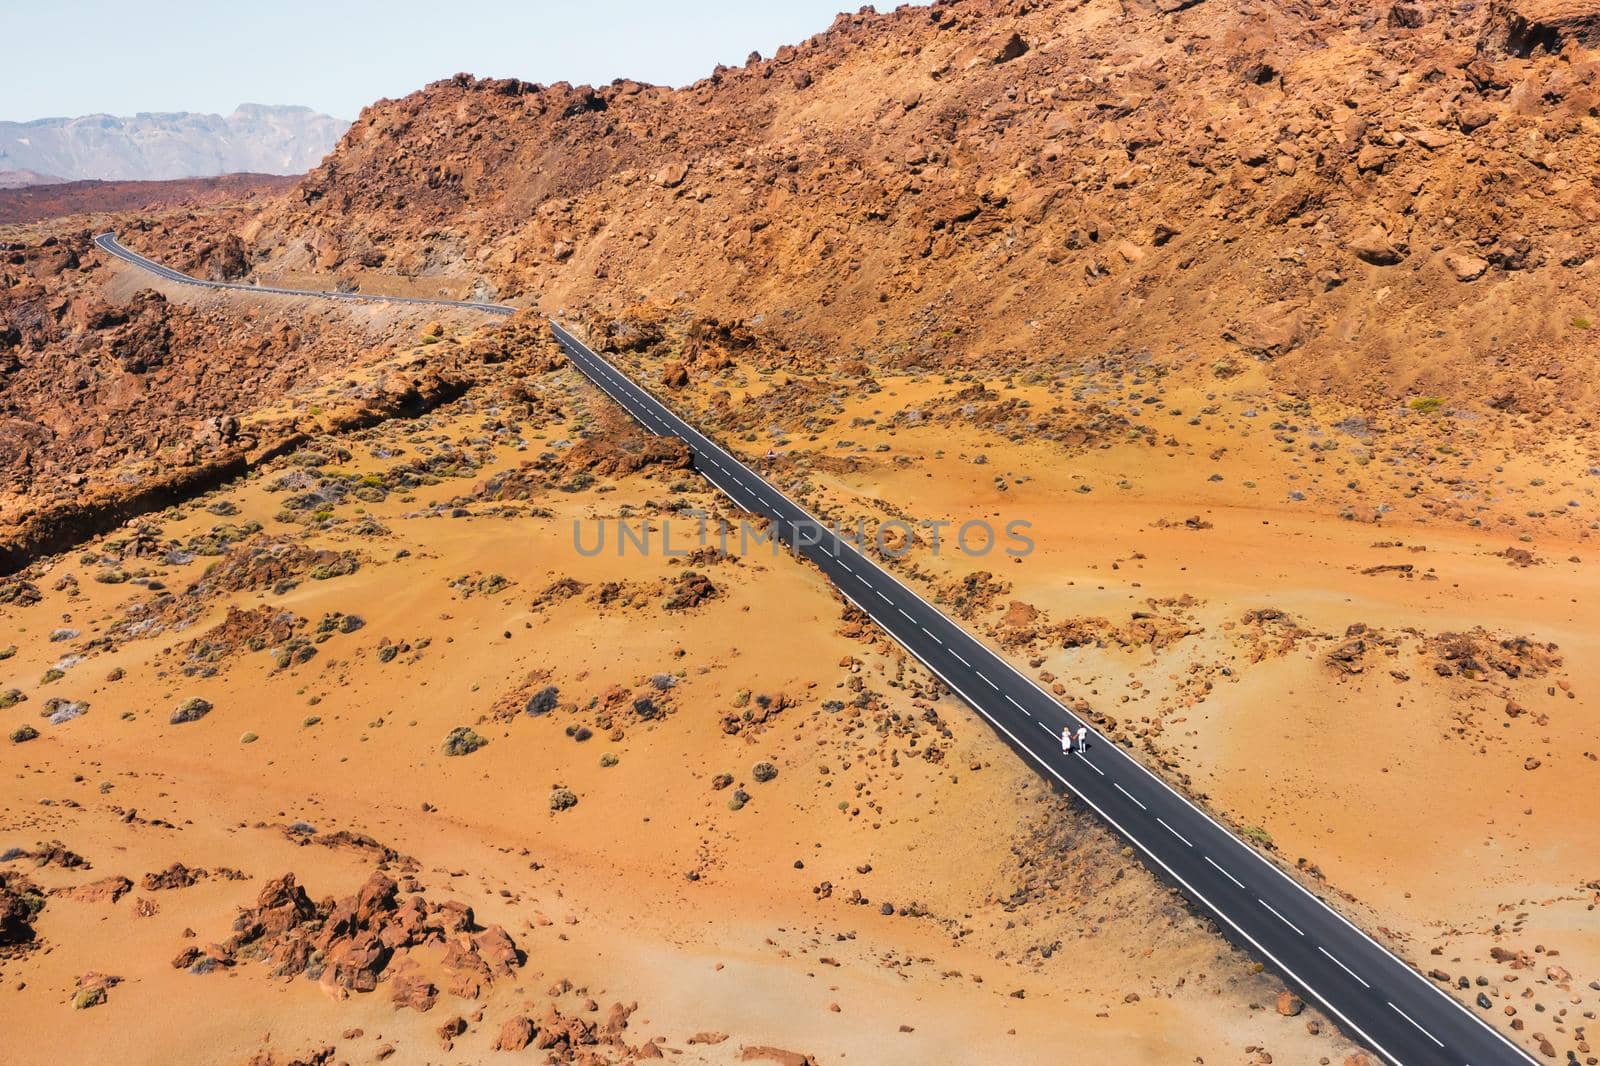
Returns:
<point x="1381" y="202"/>
<point x="147" y="146"/>
<point x="117" y="398"/>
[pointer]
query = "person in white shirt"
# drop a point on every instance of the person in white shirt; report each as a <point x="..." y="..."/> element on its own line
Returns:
<point x="1066" y="739"/>
<point x="1083" y="738"/>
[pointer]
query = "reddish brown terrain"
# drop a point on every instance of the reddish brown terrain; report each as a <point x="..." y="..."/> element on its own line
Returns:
<point x="57" y="199"/>
<point x="1276" y="320"/>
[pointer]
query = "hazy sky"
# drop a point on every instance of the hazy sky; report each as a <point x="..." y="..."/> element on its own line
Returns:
<point x="78" y="57"/>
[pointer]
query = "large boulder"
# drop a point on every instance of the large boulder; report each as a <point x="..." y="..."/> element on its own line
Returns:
<point x="1374" y="245"/>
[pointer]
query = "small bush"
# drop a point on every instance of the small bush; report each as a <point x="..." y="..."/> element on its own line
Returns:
<point x="63" y="711"/>
<point x="248" y="738"/>
<point x="1426" y="405"/>
<point x="92" y="996"/>
<point x="191" y="710"/>
<point x="543" y="701"/>
<point x="1257" y="835"/>
<point x="739" y="798"/>
<point x="1581" y="322"/>
<point x="462" y="741"/>
<point x="23" y="733"/>
<point x="763" y="771"/>
<point x="608" y="759"/>
<point x="562" y="799"/>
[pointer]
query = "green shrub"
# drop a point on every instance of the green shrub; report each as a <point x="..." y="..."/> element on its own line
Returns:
<point x="190" y="710"/>
<point x="462" y="741"/>
<point x="1257" y="835"/>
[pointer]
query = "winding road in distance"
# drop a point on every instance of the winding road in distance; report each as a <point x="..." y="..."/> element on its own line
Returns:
<point x="107" y="242"/>
<point x="1378" y="999"/>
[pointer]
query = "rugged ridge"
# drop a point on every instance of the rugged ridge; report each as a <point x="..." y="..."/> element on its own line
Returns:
<point x="159" y="146"/>
<point x="1029" y="182"/>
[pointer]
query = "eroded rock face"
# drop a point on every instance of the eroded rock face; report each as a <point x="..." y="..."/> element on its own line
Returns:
<point x="1524" y="27"/>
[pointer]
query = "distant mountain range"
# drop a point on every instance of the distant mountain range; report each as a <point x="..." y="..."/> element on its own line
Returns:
<point x="256" y="138"/>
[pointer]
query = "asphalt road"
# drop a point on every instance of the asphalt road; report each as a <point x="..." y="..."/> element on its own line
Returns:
<point x="1377" y="999"/>
<point x="108" y="243"/>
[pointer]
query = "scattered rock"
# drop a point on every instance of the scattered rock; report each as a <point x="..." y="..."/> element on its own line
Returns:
<point x="515" y="1034"/>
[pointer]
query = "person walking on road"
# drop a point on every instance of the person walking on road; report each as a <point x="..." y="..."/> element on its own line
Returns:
<point x="1066" y="739"/>
<point x="1083" y="738"/>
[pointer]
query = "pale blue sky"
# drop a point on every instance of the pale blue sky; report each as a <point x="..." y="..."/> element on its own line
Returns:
<point x="77" y="57"/>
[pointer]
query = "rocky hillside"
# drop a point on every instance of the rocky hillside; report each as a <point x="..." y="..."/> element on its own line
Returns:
<point x="116" y="398"/>
<point x="255" y="138"/>
<point x="1380" y="202"/>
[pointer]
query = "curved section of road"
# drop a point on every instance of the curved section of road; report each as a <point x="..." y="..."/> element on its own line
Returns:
<point x="1375" y="996"/>
<point x="108" y="243"/>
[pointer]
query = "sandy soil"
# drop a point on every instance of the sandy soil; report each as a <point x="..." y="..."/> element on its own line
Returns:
<point x="1384" y="735"/>
<point x="761" y="927"/>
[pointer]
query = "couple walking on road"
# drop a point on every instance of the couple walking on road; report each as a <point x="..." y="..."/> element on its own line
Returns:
<point x="1067" y="739"/>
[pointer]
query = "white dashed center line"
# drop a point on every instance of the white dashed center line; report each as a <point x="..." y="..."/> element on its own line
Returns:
<point x="1413" y="1021"/>
<point x="1342" y="966"/>
<point x="1173" y="831"/>
<point x="1226" y="874"/>
<point x="1278" y="916"/>
<point x="1130" y="795"/>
